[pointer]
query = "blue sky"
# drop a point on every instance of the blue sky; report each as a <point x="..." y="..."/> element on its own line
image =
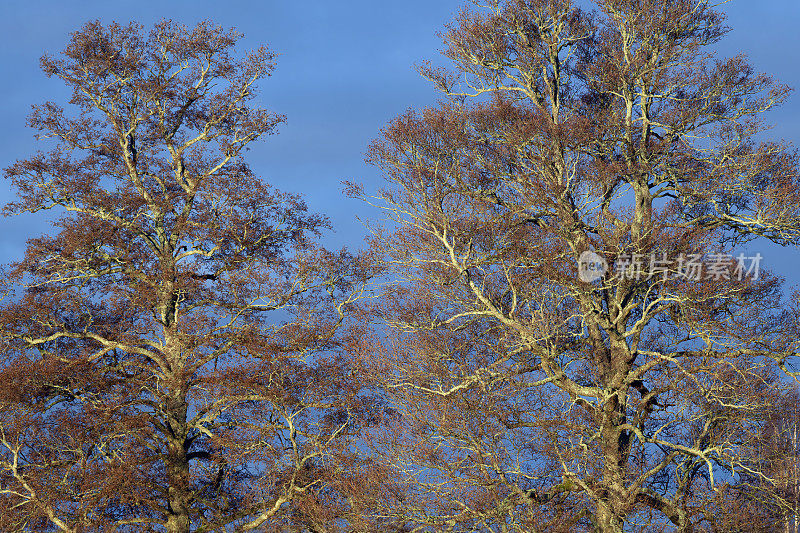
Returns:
<point x="345" y="69"/>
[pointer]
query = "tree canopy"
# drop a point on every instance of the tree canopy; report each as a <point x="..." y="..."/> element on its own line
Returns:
<point x="560" y="325"/>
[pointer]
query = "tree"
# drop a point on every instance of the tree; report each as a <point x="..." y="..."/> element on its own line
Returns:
<point x="575" y="341"/>
<point x="784" y="437"/>
<point x="170" y="350"/>
<point x="786" y="469"/>
<point x="776" y="495"/>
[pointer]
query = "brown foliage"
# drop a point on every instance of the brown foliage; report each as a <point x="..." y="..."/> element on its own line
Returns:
<point x="171" y="351"/>
<point x="530" y="399"/>
<point x="182" y="355"/>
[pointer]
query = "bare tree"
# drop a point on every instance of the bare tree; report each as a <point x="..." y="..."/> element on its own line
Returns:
<point x="171" y="358"/>
<point x="575" y="342"/>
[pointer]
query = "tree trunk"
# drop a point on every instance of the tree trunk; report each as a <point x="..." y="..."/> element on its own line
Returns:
<point x="177" y="467"/>
<point x="607" y="520"/>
